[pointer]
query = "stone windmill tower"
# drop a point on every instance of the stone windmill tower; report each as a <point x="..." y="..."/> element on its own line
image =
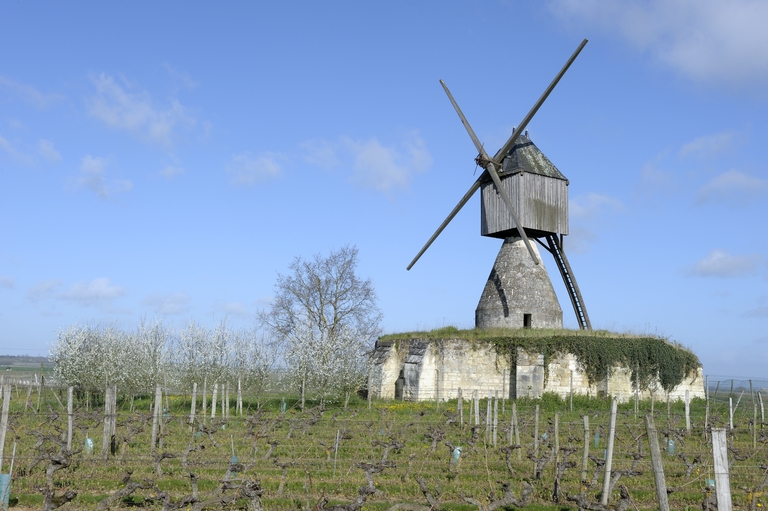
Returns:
<point x="525" y="203"/>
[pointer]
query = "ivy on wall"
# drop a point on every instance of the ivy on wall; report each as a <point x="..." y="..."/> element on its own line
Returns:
<point x="649" y="358"/>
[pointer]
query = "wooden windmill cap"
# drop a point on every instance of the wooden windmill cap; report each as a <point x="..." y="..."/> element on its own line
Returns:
<point x="526" y="157"/>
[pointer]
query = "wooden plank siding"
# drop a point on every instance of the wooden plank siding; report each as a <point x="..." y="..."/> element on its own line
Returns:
<point x="541" y="203"/>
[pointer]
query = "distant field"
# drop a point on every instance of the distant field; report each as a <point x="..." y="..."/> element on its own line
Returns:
<point x="23" y="361"/>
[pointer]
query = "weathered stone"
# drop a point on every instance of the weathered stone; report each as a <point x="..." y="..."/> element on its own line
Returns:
<point x="436" y="369"/>
<point x="518" y="288"/>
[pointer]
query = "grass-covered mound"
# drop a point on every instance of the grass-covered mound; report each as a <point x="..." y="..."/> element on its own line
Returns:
<point x="597" y="352"/>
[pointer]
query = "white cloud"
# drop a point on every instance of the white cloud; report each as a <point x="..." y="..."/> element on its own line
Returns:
<point x="579" y="239"/>
<point x="587" y="213"/>
<point x="733" y="188"/>
<point x="720" y="263"/>
<point x="247" y="169"/>
<point x="374" y="165"/>
<point x="237" y="309"/>
<point x="180" y="76"/>
<point x="97" y="292"/>
<point x="321" y="153"/>
<point x="168" y="304"/>
<point x="705" y="40"/>
<point x="708" y="146"/>
<point x="171" y="171"/>
<point x="591" y="205"/>
<point x="47" y="151"/>
<point x="93" y="177"/>
<point x="135" y="112"/>
<point x="11" y="151"/>
<point x="7" y="282"/>
<point x="28" y="93"/>
<point x="384" y="169"/>
<point x="654" y="180"/>
<point x="42" y="289"/>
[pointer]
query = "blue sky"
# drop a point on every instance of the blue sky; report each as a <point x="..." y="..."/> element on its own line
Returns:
<point x="169" y="159"/>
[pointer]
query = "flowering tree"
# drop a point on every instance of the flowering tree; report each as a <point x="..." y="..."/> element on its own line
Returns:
<point x="325" y="318"/>
<point x="251" y="359"/>
<point x="91" y="357"/>
<point x="352" y="363"/>
<point x="190" y="357"/>
<point x="150" y="356"/>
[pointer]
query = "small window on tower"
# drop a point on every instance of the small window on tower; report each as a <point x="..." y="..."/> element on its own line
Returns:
<point x="526" y="321"/>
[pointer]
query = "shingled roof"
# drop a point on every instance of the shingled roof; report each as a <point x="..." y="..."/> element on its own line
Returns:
<point x="526" y="157"/>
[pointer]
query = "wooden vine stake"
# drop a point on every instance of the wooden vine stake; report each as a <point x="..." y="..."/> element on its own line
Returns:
<point x="239" y="406"/>
<point x="722" y="478"/>
<point x="213" y="400"/>
<point x="637" y="393"/>
<point x="609" y="455"/>
<point x="536" y="433"/>
<point x="4" y="420"/>
<point x="517" y="430"/>
<point x="476" y="397"/>
<point x="460" y="405"/>
<point x="204" y="410"/>
<point x="110" y="416"/>
<point x="503" y="388"/>
<point x="488" y="417"/>
<point x="69" y="418"/>
<point x="495" y="417"/>
<point x="194" y="404"/>
<point x="730" y="412"/>
<point x="754" y="424"/>
<point x="585" y="456"/>
<point x="658" y="467"/>
<point x="225" y="401"/>
<point x="107" y="427"/>
<point x="471" y="408"/>
<point x="157" y="414"/>
<point x="27" y="402"/>
<point x="687" y="413"/>
<point x="557" y="441"/>
<point x="336" y="451"/>
<point x="40" y="384"/>
<point x="706" y="409"/>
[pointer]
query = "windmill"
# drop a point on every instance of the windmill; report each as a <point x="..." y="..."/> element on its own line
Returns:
<point x="519" y="178"/>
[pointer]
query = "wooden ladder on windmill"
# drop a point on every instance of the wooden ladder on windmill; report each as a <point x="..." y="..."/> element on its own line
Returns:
<point x="555" y="248"/>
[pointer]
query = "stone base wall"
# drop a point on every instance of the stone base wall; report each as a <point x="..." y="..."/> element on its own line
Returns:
<point x="424" y="370"/>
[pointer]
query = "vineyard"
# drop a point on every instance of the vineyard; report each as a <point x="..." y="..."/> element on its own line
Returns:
<point x="372" y="455"/>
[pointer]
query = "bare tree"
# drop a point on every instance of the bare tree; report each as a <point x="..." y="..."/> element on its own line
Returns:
<point x="324" y="316"/>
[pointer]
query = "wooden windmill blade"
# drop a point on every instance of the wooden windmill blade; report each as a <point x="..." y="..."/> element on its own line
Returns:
<point x="472" y="189"/>
<point x="521" y="127"/>
<point x="491" y="166"/>
<point x="489" y="170"/>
